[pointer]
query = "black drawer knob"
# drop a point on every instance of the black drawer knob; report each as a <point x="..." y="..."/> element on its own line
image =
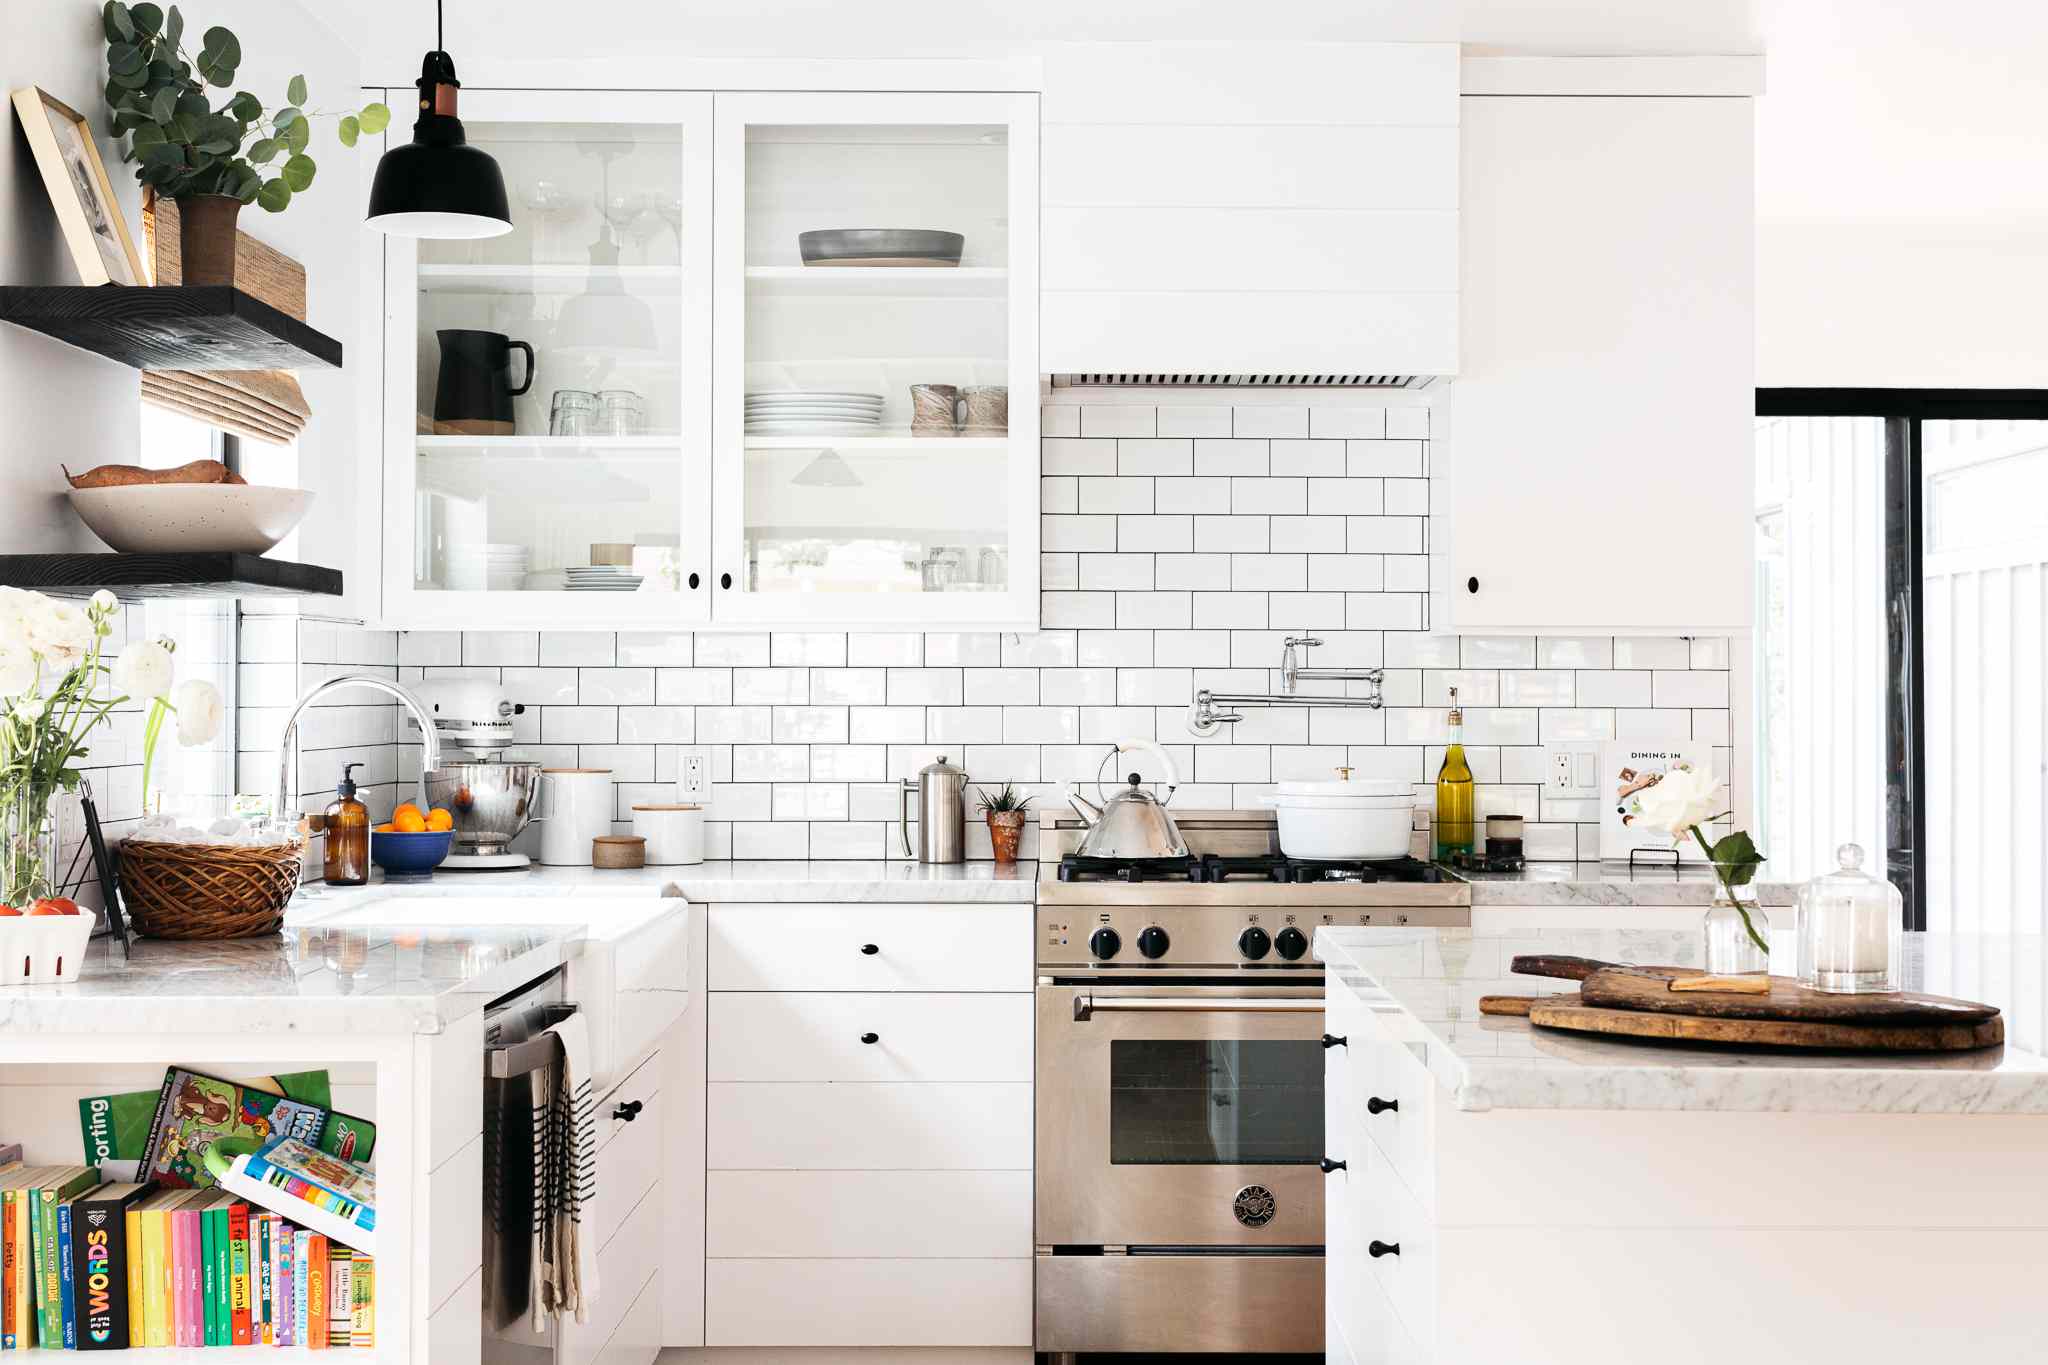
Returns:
<point x="693" y="580"/>
<point x="1471" y="585"/>
<point x="869" y="950"/>
<point x="1329" y="1166"/>
<point x="871" y="1037"/>
<point x="1379" y="1249"/>
<point x="1375" y="1105"/>
<point x="725" y="580"/>
<point x="1331" y="1040"/>
<point x="628" y="1111"/>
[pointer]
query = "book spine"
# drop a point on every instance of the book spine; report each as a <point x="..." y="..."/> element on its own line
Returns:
<point x="316" y="1295"/>
<point x="49" y="1319"/>
<point x="302" y="1273"/>
<point x="10" y="1333"/>
<point x="362" y="1326"/>
<point x="285" y="1335"/>
<point x="149" y="1295"/>
<point x="340" y="1295"/>
<point x="223" y="1272"/>
<point x="146" y="1168"/>
<point x="131" y="1251"/>
<point x="102" y="1276"/>
<point x="184" y="1260"/>
<point x="67" y="1280"/>
<point x="209" y="1258"/>
<point x="195" y="1281"/>
<point x="259" y="1275"/>
<point x="238" y="1275"/>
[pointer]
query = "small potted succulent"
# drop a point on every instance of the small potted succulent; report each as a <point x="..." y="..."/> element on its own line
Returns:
<point x="1005" y="812"/>
<point x="209" y="160"/>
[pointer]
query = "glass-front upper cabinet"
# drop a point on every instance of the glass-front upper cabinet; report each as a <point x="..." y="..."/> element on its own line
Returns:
<point x="876" y="412"/>
<point x="547" y="392"/>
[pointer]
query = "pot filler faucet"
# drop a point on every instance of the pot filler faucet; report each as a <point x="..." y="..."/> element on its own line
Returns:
<point x="1205" y="719"/>
<point x="430" y="739"/>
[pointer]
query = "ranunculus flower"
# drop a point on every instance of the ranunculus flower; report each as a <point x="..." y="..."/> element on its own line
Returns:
<point x="29" y="709"/>
<point x="59" y="631"/>
<point x="1682" y="798"/>
<point x="199" y="711"/>
<point x="106" y="602"/>
<point x="17" y="668"/>
<point x="143" y="671"/>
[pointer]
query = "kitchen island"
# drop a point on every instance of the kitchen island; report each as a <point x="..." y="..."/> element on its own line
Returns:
<point x="1509" y="1193"/>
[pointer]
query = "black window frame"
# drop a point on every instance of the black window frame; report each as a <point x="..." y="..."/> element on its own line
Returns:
<point x="1904" y="412"/>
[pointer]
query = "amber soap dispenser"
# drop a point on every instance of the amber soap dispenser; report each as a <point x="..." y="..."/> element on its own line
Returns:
<point x="347" y="825"/>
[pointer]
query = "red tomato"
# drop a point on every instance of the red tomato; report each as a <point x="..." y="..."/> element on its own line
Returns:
<point x="54" y="905"/>
<point x="7" y="911"/>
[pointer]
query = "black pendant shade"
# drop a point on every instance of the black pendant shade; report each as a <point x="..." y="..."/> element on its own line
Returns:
<point x="438" y="185"/>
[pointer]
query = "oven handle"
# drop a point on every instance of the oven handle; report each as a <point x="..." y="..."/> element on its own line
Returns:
<point x="1086" y="1005"/>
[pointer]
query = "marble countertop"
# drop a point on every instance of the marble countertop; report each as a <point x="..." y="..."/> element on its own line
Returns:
<point x="1597" y="883"/>
<point x="1425" y="984"/>
<point x="846" y="882"/>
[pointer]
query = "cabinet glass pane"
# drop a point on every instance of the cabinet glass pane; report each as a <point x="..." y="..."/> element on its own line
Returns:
<point x="549" y="370"/>
<point x="1216" y="1102"/>
<point x="852" y="484"/>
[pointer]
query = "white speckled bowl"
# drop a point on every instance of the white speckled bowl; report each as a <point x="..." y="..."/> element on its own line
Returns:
<point x="186" y="518"/>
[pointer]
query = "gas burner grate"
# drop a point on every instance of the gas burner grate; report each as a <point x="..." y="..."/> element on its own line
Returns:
<point x="1075" y="868"/>
<point x="1277" y="868"/>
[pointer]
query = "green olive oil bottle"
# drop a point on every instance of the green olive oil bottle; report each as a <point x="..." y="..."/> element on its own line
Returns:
<point x="1454" y="791"/>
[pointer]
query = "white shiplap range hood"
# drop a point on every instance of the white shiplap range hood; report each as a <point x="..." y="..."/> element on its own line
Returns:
<point x="1267" y="214"/>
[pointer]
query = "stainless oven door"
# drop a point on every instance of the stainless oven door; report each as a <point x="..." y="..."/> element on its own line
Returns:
<point x="1179" y="1116"/>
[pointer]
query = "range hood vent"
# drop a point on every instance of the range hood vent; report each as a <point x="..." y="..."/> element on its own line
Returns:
<point x="1242" y="381"/>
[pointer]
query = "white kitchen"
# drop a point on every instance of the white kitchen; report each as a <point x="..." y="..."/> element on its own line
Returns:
<point x="1349" y="683"/>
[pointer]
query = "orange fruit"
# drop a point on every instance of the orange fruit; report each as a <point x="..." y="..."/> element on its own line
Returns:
<point x="387" y="828"/>
<point x="405" y="806"/>
<point x="437" y="818"/>
<point x="408" y="820"/>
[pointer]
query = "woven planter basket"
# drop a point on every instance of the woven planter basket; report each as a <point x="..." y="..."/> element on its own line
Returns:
<point x="208" y="891"/>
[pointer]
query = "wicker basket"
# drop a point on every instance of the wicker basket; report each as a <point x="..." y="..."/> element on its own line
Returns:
<point x="208" y="891"/>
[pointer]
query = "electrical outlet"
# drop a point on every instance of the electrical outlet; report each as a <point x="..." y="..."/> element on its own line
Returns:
<point x="1560" y="770"/>
<point x="693" y="777"/>
<point x="1571" y="770"/>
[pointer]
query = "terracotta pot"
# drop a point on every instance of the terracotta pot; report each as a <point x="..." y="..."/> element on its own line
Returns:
<point x="1005" y="828"/>
<point x="206" y="238"/>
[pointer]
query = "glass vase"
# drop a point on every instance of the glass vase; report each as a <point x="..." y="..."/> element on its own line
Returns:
<point x="28" y="845"/>
<point x="1730" y="949"/>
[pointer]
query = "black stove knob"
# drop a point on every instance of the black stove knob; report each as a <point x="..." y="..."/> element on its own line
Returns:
<point x="1290" y="943"/>
<point x="1254" y="943"/>
<point x="1153" y="942"/>
<point x="1104" y="944"/>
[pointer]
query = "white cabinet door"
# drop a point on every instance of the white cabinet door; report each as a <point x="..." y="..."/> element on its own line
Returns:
<point x="546" y="427"/>
<point x="832" y="505"/>
<point x="1597" y="471"/>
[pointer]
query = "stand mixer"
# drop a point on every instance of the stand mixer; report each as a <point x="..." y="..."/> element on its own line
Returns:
<point x="489" y="798"/>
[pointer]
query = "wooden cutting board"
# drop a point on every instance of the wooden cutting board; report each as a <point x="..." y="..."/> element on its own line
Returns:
<point x="1567" y="1013"/>
<point x="1610" y="985"/>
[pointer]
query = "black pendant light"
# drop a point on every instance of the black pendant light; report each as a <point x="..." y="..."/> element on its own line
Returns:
<point x="438" y="185"/>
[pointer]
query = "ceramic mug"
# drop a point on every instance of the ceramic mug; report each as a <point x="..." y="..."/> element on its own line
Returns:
<point x="674" y="834"/>
<point x="986" y="408"/>
<point x="574" y="807"/>
<point x="934" y="409"/>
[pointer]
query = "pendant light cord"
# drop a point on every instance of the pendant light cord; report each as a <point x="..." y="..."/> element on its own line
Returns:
<point x="440" y="39"/>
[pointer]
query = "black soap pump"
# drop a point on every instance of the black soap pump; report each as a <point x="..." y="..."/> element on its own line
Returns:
<point x="346" y="822"/>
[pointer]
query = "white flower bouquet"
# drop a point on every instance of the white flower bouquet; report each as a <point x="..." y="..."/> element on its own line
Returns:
<point x="1680" y="804"/>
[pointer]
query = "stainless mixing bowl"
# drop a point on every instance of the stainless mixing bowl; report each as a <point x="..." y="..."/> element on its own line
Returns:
<point x="490" y="802"/>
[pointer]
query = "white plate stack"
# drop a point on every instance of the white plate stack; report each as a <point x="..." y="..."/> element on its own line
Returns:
<point x="809" y="413"/>
<point x="487" y="568"/>
<point x="602" y="578"/>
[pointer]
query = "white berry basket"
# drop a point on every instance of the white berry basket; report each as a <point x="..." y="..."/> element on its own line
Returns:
<point x="43" y="950"/>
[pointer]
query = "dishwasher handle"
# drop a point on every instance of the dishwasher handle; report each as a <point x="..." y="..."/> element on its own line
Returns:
<point x="1085" y="1006"/>
<point x="509" y="1060"/>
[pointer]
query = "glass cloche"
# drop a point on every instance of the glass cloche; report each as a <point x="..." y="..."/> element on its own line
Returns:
<point x="1851" y="928"/>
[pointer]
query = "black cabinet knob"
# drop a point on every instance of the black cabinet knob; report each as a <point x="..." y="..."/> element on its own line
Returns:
<point x="1290" y="943"/>
<point x="1153" y="942"/>
<point x="1254" y="943"/>
<point x="1331" y="1040"/>
<point x="1104" y="944"/>
<point x="871" y="1037"/>
<point x="693" y="580"/>
<point x="869" y="949"/>
<point x="725" y="580"/>
<point x="627" y="1112"/>
<point x="1375" y="1105"/>
<point x="1378" y="1249"/>
<point x="1471" y="585"/>
<point x="1329" y="1166"/>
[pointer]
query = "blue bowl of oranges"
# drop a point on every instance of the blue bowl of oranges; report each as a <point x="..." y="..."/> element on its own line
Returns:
<point x="412" y="843"/>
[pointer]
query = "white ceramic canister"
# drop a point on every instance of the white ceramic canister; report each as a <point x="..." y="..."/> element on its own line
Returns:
<point x="575" y="806"/>
<point x="674" y="834"/>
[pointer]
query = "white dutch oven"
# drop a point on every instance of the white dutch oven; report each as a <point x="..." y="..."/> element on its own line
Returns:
<point x="1344" y="820"/>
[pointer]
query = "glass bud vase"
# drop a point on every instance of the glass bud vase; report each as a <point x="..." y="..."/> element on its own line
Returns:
<point x="28" y="846"/>
<point x="1730" y="949"/>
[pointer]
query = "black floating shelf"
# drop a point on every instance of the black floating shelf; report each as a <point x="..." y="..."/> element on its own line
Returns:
<point x="215" y="574"/>
<point x="171" y="327"/>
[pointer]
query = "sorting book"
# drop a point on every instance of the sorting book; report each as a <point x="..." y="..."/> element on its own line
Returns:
<point x="115" y="1128"/>
<point x="194" y="1111"/>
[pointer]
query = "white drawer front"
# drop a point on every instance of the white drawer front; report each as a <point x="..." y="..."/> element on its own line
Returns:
<point x="1405" y="1136"/>
<point x="822" y="1127"/>
<point x="830" y="1214"/>
<point x="1386" y="1212"/>
<point x="629" y="1261"/>
<point x="819" y="1036"/>
<point x="629" y="1163"/>
<point x="916" y="948"/>
<point x="638" y="1338"/>
<point x="868" y="1303"/>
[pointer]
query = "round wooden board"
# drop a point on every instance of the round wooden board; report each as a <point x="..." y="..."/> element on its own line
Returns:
<point x="1687" y="1028"/>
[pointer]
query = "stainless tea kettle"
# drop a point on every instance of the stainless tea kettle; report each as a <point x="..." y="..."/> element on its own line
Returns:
<point x="941" y="794"/>
<point x="1130" y="824"/>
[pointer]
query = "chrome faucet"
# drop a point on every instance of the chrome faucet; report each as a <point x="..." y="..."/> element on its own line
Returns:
<point x="1204" y="717"/>
<point x="430" y="738"/>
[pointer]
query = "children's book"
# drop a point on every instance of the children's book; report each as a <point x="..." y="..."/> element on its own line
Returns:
<point x="316" y="1292"/>
<point x="100" y="1273"/>
<point x="190" y="1283"/>
<point x="314" y="1190"/>
<point x="340" y="1295"/>
<point x="61" y="1184"/>
<point x="362" y="1327"/>
<point x="153" y="1222"/>
<point x="239" y="1319"/>
<point x="302" y="1288"/>
<point x="67" y="1272"/>
<point x="17" y="1265"/>
<point x="115" y="1128"/>
<point x="195" y="1111"/>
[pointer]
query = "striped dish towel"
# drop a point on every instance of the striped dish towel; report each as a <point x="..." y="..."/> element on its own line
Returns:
<point x="564" y="1178"/>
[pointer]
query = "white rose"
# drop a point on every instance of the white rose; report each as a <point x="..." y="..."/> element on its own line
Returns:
<point x="1682" y="798"/>
<point x="143" y="671"/>
<point x="17" y="668"/>
<point x="199" y="711"/>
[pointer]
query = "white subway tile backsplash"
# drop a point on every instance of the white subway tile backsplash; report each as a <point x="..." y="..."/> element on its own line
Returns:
<point x="1308" y="610"/>
<point x="1155" y="456"/>
<point x="847" y="762"/>
<point x="1613" y="687"/>
<point x="1384" y="535"/>
<point x="1270" y="419"/>
<point x="1183" y="419"/>
<point x="734" y="724"/>
<point x="1347" y="573"/>
<point x="1154" y="610"/>
<point x="1116" y="495"/>
<point x="1077" y="533"/>
<point x="1310" y="534"/>
<point x="1077" y="608"/>
<point x="770" y="762"/>
<point x="1364" y="423"/>
<point x="1498" y="651"/>
<point x="809" y="725"/>
<point x="1005" y="686"/>
<point x="849" y="687"/>
<point x="1407" y="497"/>
<point x="1651" y="651"/>
<point x="655" y="724"/>
<point x="1269" y="496"/>
<point x="1061" y="494"/>
<point x="1189" y="572"/>
<point x="1652" y="726"/>
<point x="1116" y="572"/>
<point x="1059" y="420"/>
<point x="886" y="724"/>
<point x="1709" y="651"/>
<point x="1185" y="496"/>
<point x="1349" y="497"/>
<point x="1542" y="687"/>
<point x="581" y="725"/>
<point x="925" y="687"/>
<point x="772" y="839"/>
<point x="1385" y="610"/>
<point x="1041" y="724"/>
<point x="1118" y="419"/>
<point x="1046" y="649"/>
<point x="904" y="649"/>
<point x="964" y="724"/>
<point x="1230" y="610"/>
<point x="1066" y="687"/>
<point x="427" y="648"/>
<point x="713" y="651"/>
<point x="1220" y="534"/>
<point x="1063" y="456"/>
<point x="1673" y="688"/>
<point x="1056" y="572"/>
<point x="501" y="647"/>
<point x="1190" y="649"/>
<point x="1233" y="457"/>
<point x="1575" y="651"/>
<point x="610" y="686"/>
<point x="1313" y="458"/>
<point x="553" y="686"/>
<point x="1563" y="724"/>
<point x="1154" y="533"/>
<point x="1408" y="424"/>
<point x="1268" y="572"/>
<point x="769" y="686"/>
<point x="1384" y="459"/>
<point x="789" y="649"/>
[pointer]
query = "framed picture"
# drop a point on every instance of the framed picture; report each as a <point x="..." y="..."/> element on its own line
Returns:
<point x="1627" y="769"/>
<point x="79" y="189"/>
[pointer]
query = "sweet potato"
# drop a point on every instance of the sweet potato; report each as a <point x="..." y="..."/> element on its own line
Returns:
<point x="129" y="475"/>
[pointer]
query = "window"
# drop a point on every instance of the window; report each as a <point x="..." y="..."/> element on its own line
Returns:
<point x="1902" y="542"/>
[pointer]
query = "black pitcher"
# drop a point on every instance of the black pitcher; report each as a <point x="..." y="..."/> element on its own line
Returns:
<point x="474" y="394"/>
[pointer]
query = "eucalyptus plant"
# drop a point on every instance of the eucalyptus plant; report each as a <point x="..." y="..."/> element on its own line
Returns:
<point x="181" y="143"/>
